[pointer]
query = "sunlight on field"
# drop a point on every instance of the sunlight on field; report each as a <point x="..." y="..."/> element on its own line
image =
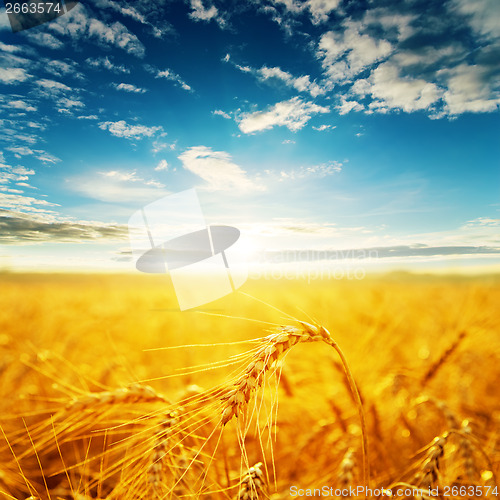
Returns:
<point x="111" y="415"/>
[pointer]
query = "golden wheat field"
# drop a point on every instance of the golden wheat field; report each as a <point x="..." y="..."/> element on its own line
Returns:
<point x="108" y="391"/>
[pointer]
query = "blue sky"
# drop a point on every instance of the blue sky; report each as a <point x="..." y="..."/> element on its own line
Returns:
<point x="320" y="124"/>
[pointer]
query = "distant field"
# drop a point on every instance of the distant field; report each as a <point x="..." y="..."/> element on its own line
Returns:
<point x="90" y="411"/>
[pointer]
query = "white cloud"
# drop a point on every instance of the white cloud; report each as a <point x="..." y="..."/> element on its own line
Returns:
<point x="162" y="165"/>
<point x="77" y="24"/>
<point x="44" y="39"/>
<point x="159" y="145"/>
<point x="10" y="48"/>
<point x="219" y="112"/>
<point x="347" y="106"/>
<point x="319" y="9"/>
<point x="323" y="127"/>
<point x="12" y="76"/>
<point x="345" y="55"/>
<point x="127" y="87"/>
<point x="168" y="74"/>
<point x="62" y="68"/>
<point x="39" y="126"/>
<point x="293" y="114"/>
<point x="397" y="26"/>
<point x="316" y="171"/>
<point x="20" y="150"/>
<point x="201" y="13"/>
<point x="471" y="89"/>
<point x="484" y="15"/>
<point x="14" y="174"/>
<point x="105" y="62"/>
<point x="25" y="204"/>
<point x="53" y="87"/>
<point x="10" y="190"/>
<point x="481" y="222"/>
<point x="121" y="176"/>
<point x="23" y="105"/>
<point x="117" y="186"/>
<point x="70" y="103"/>
<point x="123" y="129"/>
<point x="87" y="117"/>
<point x="217" y="169"/>
<point x="390" y="91"/>
<point x="302" y="83"/>
<point x="125" y="9"/>
<point x="45" y="157"/>
<point x="117" y="35"/>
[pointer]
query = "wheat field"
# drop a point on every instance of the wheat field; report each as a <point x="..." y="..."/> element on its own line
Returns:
<point x="108" y="391"/>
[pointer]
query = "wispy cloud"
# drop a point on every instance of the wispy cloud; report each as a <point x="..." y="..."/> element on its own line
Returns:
<point x="324" y="127"/>
<point x="77" y="24"/>
<point x="27" y="204"/>
<point x="293" y="114"/>
<point x="128" y="87"/>
<point x="106" y="63"/>
<point x="62" y="69"/>
<point x="168" y="74"/>
<point x="132" y="10"/>
<point x="22" y="104"/>
<point x="301" y="83"/>
<point x="314" y="171"/>
<point x="130" y="177"/>
<point x="117" y="186"/>
<point x="129" y="131"/>
<point x="162" y="165"/>
<point x="217" y="169"/>
<point x="44" y="40"/>
<point x="219" y="112"/>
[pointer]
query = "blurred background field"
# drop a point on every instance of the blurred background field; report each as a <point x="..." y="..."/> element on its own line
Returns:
<point x="62" y="334"/>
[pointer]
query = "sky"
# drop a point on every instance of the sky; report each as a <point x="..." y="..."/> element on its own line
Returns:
<point x="365" y="127"/>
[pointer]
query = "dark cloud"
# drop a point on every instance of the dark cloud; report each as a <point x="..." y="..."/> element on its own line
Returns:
<point x="20" y="228"/>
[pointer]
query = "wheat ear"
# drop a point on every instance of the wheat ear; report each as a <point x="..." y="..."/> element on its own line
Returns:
<point x="134" y="393"/>
<point x="264" y="360"/>
<point x="252" y="484"/>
